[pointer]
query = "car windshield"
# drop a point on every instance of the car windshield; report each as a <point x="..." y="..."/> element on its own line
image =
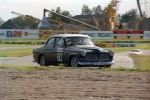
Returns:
<point x="70" y="41"/>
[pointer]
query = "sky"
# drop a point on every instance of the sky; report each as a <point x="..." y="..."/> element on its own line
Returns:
<point x="35" y="7"/>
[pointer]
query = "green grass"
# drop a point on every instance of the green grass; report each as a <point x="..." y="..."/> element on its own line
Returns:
<point x="23" y="67"/>
<point x="16" y="53"/>
<point x="142" y="62"/>
<point x="141" y="69"/>
<point x="120" y="69"/>
<point x="30" y="67"/>
<point x="16" y="45"/>
<point x="22" y="40"/>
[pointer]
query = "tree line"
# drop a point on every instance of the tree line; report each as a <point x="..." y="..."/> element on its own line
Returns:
<point x="131" y="15"/>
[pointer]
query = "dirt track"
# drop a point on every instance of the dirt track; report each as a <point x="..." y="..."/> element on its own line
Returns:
<point x="74" y="84"/>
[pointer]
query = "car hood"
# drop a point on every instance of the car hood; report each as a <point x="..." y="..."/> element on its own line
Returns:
<point x="89" y="48"/>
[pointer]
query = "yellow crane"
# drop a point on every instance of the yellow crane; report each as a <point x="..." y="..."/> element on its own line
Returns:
<point x="63" y="24"/>
<point x="96" y="23"/>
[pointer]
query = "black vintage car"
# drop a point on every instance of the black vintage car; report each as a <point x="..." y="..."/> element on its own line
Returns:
<point x="72" y="50"/>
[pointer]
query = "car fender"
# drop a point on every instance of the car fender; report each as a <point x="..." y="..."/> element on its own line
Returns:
<point x="73" y="54"/>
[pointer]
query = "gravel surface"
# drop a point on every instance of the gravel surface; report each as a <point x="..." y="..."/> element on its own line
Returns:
<point x="74" y="84"/>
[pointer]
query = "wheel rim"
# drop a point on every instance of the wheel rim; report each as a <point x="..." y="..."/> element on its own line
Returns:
<point x="42" y="60"/>
<point x="74" y="62"/>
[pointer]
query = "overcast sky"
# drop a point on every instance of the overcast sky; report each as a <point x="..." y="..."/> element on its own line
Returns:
<point x="35" y="7"/>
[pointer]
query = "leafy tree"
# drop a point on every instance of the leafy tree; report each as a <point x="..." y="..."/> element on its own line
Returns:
<point x="52" y="15"/>
<point x="98" y="10"/>
<point x="119" y="17"/>
<point x="19" y="21"/>
<point x="66" y="13"/>
<point x="93" y="11"/>
<point x="56" y="17"/>
<point x="86" y="10"/>
<point x="1" y="21"/>
<point x="58" y="10"/>
<point x="131" y="15"/>
<point x="24" y="21"/>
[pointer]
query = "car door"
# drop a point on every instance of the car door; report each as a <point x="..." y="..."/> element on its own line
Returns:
<point x="49" y="50"/>
<point x="59" y="48"/>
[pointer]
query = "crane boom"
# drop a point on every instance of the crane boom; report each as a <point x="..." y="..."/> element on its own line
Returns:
<point x="96" y="23"/>
<point x="31" y="17"/>
<point x="71" y="19"/>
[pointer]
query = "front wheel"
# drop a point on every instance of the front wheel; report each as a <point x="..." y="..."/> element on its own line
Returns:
<point x="108" y="66"/>
<point x="105" y="66"/>
<point x="42" y="61"/>
<point x="74" y="62"/>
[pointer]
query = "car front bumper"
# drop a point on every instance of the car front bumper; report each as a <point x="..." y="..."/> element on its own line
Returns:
<point x="96" y="63"/>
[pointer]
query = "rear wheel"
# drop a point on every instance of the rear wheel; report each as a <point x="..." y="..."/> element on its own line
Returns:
<point x="74" y="62"/>
<point x="42" y="61"/>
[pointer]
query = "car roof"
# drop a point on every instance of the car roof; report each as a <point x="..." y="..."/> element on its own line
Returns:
<point x="69" y="35"/>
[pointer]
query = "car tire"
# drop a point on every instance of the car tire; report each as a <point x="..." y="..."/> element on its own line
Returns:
<point x="108" y="66"/>
<point x="74" y="62"/>
<point x="42" y="61"/>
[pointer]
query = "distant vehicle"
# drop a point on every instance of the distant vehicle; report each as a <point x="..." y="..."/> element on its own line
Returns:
<point x="136" y="51"/>
<point x="72" y="50"/>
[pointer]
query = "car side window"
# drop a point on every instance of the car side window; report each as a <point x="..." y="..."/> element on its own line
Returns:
<point x="59" y="42"/>
<point x="50" y="42"/>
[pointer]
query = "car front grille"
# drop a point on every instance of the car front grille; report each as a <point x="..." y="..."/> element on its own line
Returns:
<point x="97" y="57"/>
<point x="104" y="56"/>
<point x="91" y="57"/>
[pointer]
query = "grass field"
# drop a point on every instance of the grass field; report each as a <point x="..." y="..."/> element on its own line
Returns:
<point x="141" y="62"/>
<point x="16" y="45"/>
<point x="15" y="53"/>
<point x="22" y="40"/>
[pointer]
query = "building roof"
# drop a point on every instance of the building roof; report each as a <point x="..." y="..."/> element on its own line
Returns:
<point x="145" y="24"/>
<point x="42" y="25"/>
<point x="10" y="24"/>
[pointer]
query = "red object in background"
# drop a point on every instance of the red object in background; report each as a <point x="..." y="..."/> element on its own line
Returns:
<point x="131" y="32"/>
<point x="113" y="45"/>
<point x="136" y="32"/>
<point x="40" y="34"/>
<point x="120" y="32"/>
<point x="25" y="33"/>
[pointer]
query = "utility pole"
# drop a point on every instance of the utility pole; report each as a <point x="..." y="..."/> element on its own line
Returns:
<point x="141" y="15"/>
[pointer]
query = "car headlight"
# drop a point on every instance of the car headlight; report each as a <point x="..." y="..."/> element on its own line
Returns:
<point x="111" y="53"/>
<point x="83" y="53"/>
